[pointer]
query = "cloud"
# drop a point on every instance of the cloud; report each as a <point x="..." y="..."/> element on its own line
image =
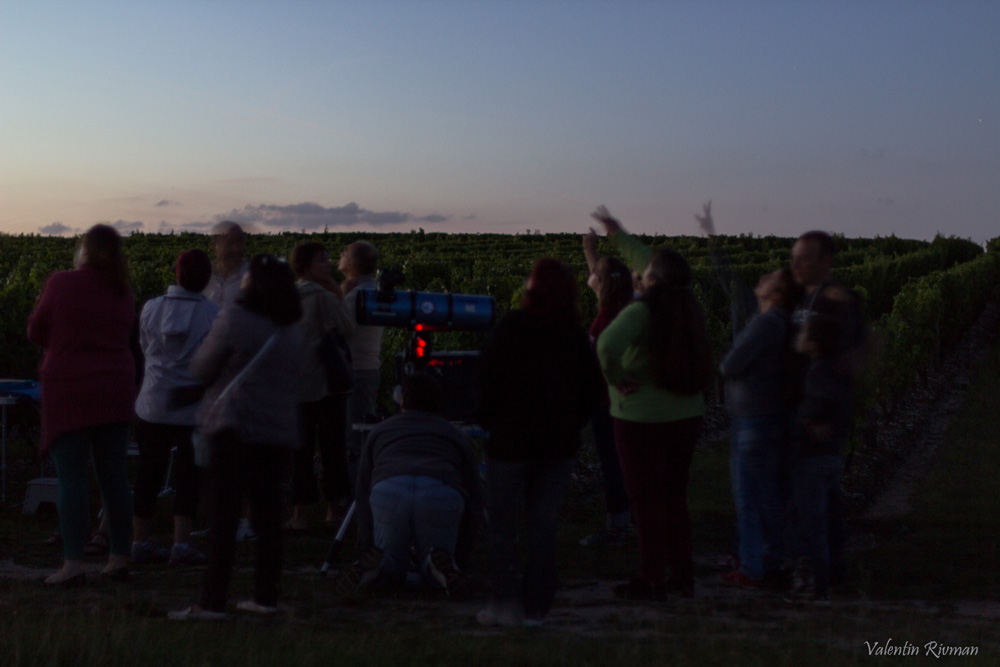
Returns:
<point x="123" y="226"/>
<point x="167" y="202"/>
<point x="433" y="218"/>
<point x="313" y="217"/>
<point x="55" y="229"/>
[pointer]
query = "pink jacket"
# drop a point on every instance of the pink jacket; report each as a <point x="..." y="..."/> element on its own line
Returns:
<point x="87" y="373"/>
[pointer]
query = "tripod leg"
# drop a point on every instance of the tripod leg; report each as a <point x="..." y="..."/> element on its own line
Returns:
<point x="338" y="541"/>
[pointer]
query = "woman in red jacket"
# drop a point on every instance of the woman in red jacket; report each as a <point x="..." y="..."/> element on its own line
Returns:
<point x="83" y="321"/>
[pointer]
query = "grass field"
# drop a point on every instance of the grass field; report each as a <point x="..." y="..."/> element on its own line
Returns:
<point x="930" y="576"/>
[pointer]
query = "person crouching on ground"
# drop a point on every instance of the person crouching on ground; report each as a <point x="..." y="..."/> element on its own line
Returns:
<point x="418" y="486"/>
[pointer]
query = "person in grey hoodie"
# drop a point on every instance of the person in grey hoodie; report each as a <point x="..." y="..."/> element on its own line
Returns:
<point x="171" y="327"/>
<point x="250" y="363"/>
<point x="756" y="395"/>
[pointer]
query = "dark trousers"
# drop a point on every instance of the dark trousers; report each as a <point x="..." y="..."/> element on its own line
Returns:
<point x="540" y="484"/>
<point x="607" y="453"/>
<point x="324" y="424"/>
<point x="656" y="465"/>
<point x="155" y="442"/>
<point x="241" y="471"/>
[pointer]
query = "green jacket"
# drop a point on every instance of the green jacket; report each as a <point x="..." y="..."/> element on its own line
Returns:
<point x="623" y="352"/>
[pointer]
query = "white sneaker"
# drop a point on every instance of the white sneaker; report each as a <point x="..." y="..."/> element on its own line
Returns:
<point x="506" y="616"/>
<point x="254" y="607"/>
<point x="192" y="614"/>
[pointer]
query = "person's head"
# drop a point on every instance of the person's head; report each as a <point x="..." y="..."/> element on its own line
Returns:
<point x="269" y="289"/>
<point x="819" y="336"/>
<point x="228" y="242"/>
<point x="358" y="259"/>
<point x="309" y="260"/>
<point x="422" y="391"/>
<point x="667" y="269"/>
<point x="101" y="248"/>
<point x="812" y="259"/>
<point x="193" y="270"/>
<point x="778" y="289"/>
<point x="551" y="291"/>
<point x="680" y="357"/>
<point x="612" y="283"/>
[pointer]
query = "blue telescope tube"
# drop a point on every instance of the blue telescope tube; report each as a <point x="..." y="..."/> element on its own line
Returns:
<point x="441" y="311"/>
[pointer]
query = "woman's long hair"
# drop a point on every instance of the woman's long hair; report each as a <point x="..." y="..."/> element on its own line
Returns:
<point x="678" y="340"/>
<point x="615" y="291"/>
<point x="102" y="249"/>
<point x="272" y="291"/>
<point x="552" y="294"/>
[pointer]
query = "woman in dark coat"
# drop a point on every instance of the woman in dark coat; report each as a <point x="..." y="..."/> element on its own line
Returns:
<point x="83" y="321"/>
<point x="540" y="385"/>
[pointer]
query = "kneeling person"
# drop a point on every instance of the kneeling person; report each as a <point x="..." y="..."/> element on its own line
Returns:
<point x="418" y="487"/>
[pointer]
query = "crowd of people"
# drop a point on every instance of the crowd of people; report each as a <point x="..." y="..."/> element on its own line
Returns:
<point x="222" y="379"/>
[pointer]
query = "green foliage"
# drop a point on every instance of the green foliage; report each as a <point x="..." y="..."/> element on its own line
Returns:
<point x="894" y="277"/>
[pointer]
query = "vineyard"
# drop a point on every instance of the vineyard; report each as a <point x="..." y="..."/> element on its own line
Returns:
<point x="920" y="296"/>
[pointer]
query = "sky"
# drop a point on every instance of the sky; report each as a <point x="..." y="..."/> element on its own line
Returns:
<point x="869" y="117"/>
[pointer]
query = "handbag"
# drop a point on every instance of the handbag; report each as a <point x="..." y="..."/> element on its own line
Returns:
<point x="335" y="356"/>
<point x="202" y="441"/>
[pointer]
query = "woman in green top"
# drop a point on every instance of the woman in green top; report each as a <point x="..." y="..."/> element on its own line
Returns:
<point x="656" y="360"/>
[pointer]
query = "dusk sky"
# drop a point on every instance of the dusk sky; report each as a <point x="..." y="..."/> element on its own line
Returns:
<point x="860" y="117"/>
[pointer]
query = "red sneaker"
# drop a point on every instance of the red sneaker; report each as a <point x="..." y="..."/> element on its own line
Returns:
<point x="737" y="578"/>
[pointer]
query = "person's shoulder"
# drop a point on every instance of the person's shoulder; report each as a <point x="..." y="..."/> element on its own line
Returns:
<point x="637" y="310"/>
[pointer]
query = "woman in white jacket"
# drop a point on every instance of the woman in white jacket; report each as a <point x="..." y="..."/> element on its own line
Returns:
<point x="171" y="328"/>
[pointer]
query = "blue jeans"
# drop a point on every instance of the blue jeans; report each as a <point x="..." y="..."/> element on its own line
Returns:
<point x="755" y="464"/>
<point x="542" y="484"/>
<point x="107" y="446"/>
<point x="818" y="506"/>
<point x="413" y="510"/>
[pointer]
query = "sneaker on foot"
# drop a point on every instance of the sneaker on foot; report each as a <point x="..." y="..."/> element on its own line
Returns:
<point x="739" y="579"/>
<point x="197" y="614"/>
<point x="360" y="574"/>
<point x="605" y="538"/>
<point x="443" y="570"/>
<point x="637" y="589"/>
<point x="245" y="531"/>
<point x="185" y="554"/>
<point x="504" y="615"/>
<point x="145" y="553"/>
<point x="255" y="607"/>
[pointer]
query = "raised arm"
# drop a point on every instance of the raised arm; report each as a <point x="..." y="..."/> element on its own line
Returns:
<point x="611" y="224"/>
<point x="590" y="249"/>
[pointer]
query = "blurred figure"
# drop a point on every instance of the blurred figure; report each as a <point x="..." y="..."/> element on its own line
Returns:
<point x="612" y="282"/>
<point x="83" y="321"/>
<point x="813" y="257"/>
<point x="359" y="262"/>
<point x="250" y="361"/>
<point x="656" y="359"/>
<point x="757" y="393"/>
<point x="229" y="247"/>
<point x="418" y="492"/>
<point x="540" y="385"/>
<point x="323" y="413"/>
<point x="819" y="433"/>
<point x="171" y="328"/>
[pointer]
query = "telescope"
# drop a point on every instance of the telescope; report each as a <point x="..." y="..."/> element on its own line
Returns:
<point x="423" y="311"/>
